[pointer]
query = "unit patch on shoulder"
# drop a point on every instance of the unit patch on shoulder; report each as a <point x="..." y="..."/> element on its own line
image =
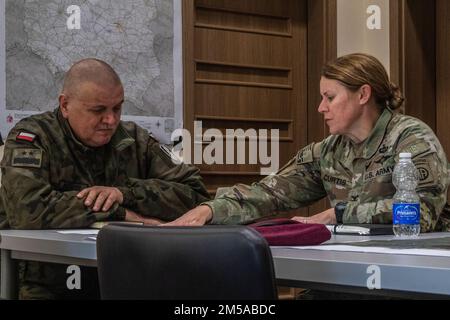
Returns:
<point x="427" y="176"/>
<point x="26" y="136"/>
<point x="31" y="158"/>
<point x="305" y="155"/>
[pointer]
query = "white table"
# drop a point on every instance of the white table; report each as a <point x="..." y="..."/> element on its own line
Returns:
<point x="402" y="275"/>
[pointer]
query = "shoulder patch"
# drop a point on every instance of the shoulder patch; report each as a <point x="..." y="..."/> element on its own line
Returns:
<point x="31" y="158"/>
<point x="306" y="154"/>
<point x="427" y="176"/>
<point x="26" y="136"/>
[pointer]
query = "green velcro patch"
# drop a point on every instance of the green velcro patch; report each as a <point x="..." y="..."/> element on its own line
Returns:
<point x="306" y="155"/>
<point x="31" y="158"/>
<point x="417" y="148"/>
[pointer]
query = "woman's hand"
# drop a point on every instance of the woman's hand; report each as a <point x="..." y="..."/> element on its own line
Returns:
<point x="198" y="216"/>
<point x="325" y="217"/>
<point x="134" y="217"/>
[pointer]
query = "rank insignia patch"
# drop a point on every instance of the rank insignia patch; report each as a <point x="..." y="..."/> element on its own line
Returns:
<point x="27" y="158"/>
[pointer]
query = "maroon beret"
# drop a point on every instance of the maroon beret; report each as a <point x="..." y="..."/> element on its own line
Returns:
<point x="287" y="232"/>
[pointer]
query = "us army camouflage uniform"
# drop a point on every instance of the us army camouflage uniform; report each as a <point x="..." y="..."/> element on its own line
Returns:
<point x="358" y="174"/>
<point x="42" y="177"/>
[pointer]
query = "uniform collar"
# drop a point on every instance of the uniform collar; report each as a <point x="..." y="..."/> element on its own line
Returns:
<point x="349" y="151"/>
<point x="120" y="140"/>
<point x="373" y="142"/>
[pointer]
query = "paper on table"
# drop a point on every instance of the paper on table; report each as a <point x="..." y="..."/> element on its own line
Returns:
<point x="78" y="231"/>
<point x="101" y="224"/>
<point x="366" y="229"/>
<point x="420" y="252"/>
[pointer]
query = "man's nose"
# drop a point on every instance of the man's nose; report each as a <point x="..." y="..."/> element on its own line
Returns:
<point x="110" y="118"/>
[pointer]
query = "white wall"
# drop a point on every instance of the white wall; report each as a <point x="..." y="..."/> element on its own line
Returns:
<point x="353" y="34"/>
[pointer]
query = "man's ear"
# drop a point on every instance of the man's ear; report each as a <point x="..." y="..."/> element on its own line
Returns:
<point x="63" y="102"/>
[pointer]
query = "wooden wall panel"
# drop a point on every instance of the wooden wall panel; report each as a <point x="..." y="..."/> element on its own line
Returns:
<point x="420" y="45"/>
<point x="242" y="75"/>
<point x="249" y="71"/>
<point x="225" y="19"/>
<point x="420" y="61"/>
<point x="443" y="73"/>
<point x="443" y="76"/>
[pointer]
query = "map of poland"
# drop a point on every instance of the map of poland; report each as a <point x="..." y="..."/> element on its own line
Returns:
<point x="134" y="36"/>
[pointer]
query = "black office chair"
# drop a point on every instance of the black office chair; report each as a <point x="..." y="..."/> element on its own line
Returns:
<point x="187" y="263"/>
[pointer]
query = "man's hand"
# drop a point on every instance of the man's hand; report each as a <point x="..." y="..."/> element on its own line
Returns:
<point x="134" y="217"/>
<point x="100" y="198"/>
<point x="198" y="216"/>
<point x="325" y="217"/>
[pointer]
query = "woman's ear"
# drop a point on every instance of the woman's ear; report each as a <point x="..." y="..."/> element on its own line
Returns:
<point x="365" y="93"/>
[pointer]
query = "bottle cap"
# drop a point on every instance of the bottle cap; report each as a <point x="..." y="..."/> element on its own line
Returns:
<point x="405" y="155"/>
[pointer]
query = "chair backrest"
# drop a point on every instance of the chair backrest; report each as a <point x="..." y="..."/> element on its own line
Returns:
<point x="187" y="263"/>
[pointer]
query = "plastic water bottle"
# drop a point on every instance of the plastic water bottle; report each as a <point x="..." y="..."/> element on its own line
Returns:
<point x="406" y="206"/>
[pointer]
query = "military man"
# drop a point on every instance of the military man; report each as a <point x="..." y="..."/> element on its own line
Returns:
<point x="353" y="166"/>
<point x="80" y="164"/>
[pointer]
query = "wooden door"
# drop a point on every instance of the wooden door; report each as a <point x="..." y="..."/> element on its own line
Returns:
<point x="443" y="76"/>
<point x="443" y="73"/>
<point x="248" y="71"/>
<point x="420" y="43"/>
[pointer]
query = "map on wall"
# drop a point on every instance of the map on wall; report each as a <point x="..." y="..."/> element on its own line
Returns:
<point x="45" y="37"/>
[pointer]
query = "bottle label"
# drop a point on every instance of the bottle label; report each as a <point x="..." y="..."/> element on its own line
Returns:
<point x="406" y="213"/>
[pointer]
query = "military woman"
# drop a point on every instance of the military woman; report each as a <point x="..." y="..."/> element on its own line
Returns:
<point x="353" y="166"/>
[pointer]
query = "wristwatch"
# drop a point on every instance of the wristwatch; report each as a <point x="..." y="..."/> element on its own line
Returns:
<point x="339" y="211"/>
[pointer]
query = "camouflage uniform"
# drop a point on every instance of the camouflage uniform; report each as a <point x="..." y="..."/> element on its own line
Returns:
<point x="42" y="176"/>
<point x="360" y="174"/>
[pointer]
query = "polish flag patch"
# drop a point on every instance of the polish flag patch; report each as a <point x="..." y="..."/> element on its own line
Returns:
<point x="26" y="136"/>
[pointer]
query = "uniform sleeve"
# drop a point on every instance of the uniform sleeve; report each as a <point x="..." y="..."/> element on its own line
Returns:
<point x="431" y="165"/>
<point x="30" y="201"/>
<point x="296" y="185"/>
<point x="168" y="190"/>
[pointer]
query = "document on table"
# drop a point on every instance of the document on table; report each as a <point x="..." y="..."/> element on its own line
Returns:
<point x="85" y="232"/>
<point x="360" y="229"/>
<point x="349" y="248"/>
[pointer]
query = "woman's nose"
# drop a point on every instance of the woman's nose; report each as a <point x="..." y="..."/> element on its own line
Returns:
<point x="322" y="106"/>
